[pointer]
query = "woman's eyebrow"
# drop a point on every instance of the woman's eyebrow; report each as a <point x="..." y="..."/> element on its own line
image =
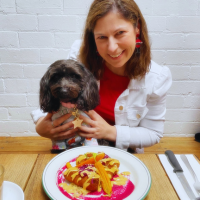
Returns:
<point x="98" y="33"/>
<point x="118" y="29"/>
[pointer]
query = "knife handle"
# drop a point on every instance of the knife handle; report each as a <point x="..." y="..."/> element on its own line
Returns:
<point x="173" y="161"/>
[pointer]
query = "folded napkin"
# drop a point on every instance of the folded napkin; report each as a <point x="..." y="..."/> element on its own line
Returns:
<point x="173" y="177"/>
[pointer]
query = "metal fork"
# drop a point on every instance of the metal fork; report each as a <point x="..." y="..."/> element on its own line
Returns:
<point x="196" y="183"/>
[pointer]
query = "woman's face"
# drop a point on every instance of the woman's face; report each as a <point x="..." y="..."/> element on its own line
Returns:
<point x="115" y="39"/>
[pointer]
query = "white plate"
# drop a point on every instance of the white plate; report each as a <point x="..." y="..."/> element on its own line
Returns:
<point x="12" y="191"/>
<point x="140" y="175"/>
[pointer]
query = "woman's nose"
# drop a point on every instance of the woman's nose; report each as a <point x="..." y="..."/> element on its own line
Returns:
<point x="112" y="45"/>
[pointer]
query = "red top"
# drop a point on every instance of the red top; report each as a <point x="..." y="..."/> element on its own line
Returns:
<point x="111" y="86"/>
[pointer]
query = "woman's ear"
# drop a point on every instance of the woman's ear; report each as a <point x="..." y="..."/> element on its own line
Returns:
<point x="138" y="28"/>
<point x="137" y="31"/>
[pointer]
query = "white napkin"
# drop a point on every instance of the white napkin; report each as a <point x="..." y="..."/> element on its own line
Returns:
<point x="173" y="177"/>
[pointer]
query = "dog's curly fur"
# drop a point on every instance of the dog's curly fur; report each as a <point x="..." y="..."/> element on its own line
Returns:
<point x="68" y="81"/>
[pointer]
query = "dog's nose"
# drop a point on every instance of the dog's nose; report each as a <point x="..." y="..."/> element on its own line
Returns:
<point x="65" y="89"/>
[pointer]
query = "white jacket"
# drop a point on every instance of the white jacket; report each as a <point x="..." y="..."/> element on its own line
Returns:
<point x="139" y="110"/>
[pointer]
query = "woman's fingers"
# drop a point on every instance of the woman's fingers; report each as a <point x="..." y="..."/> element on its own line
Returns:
<point x="65" y="134"/>
<point x="48" y="116"/>
<point x="60" y="120"/>
<point x="53" y="129"/>
<point x="98" y="129"/>
<point x="62" y="128"/>
<point x="92" y="114"/>
<point x="87" y="129"/>
<point x="87" y="121"/>
<point x="86" y="135"/>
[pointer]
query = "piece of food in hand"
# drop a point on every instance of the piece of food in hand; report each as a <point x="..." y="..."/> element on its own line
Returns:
<point x="85" y="177"/>
<point x="77" y="122"/>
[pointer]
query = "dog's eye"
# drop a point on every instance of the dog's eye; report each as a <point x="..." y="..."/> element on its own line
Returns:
<point x="74" y="76"/>
<point x="55" y="77"/>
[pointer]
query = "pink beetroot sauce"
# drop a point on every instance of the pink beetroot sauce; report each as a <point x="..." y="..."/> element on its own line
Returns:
<point x="118" y="192"/>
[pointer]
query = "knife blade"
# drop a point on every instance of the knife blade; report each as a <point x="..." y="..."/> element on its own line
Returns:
<point x="179" y="172"/>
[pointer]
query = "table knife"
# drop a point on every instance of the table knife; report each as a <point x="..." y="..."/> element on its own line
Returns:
<point x="179" y="172"/>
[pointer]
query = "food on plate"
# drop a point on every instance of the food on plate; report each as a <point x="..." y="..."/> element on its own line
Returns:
<point x="94" y="171"/>
<point x="85" y="177"/>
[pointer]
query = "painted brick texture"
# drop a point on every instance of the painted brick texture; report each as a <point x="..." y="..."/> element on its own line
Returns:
<point x="33" y="34"/>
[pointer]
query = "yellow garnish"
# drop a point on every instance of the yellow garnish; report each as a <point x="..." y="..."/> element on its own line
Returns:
<point x="92" y="160"/>
<point x="68" y="165"/>
<point x="105" y="181"/>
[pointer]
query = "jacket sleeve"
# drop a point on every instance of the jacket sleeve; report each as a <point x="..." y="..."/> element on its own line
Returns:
<point x="37" y="114"/>
<point x="150" y="129"/>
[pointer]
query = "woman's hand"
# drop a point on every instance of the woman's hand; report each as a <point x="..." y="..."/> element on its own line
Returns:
<point x="53" y="130"/>
<point x="99" y="129"/>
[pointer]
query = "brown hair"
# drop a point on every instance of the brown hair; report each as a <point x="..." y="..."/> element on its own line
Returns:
<point x="138" y="64"/>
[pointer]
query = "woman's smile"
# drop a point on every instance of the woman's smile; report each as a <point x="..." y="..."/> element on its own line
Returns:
<point x="116" y="55"/>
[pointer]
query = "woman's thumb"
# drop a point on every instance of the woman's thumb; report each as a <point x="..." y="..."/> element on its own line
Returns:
<point x="49" y="115"/>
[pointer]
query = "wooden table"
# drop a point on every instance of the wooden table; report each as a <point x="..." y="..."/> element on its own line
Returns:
<point x="25" y="168"/>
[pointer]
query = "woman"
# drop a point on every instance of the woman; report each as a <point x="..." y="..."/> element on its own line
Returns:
<point x="132" y="87"/>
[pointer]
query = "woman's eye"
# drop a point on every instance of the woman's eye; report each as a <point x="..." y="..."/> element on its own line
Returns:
<point x="101" y="37"/>
<point x="120" y="32"/>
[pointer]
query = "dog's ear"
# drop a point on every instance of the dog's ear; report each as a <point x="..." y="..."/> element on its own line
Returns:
<point x="89" y="97"/>
<point x="48" y="103"/>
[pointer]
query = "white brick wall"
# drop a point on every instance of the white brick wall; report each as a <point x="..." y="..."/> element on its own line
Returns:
<point x="33" y="34"/>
